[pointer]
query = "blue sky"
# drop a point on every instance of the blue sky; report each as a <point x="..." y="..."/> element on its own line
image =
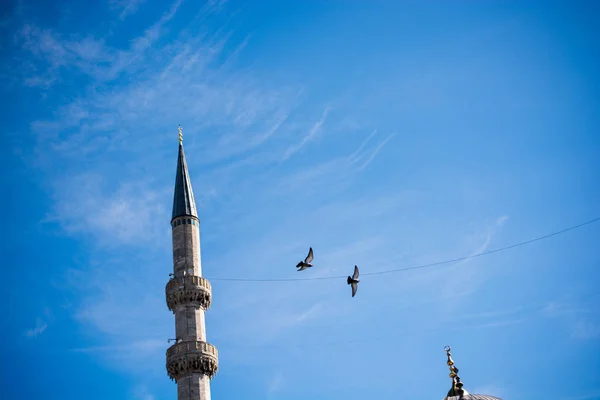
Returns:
<point x="384" y="134"/>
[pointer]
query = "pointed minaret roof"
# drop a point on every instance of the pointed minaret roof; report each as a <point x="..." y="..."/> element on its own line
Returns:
<point x="183" y="199"/>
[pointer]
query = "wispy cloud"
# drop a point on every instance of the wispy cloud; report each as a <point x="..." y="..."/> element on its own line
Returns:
<point x="141" y="392"/>
<point x="469" y="279"/>
<point x="56" y="54"/>
<point x="582" y="320"/>
<point x="309" y="136"/>
<point x="493" y="314"/>
<point x="500" y="323"/>
<point x="125" y="7"/>
<point x="148" y="345"/>
<point x="353" y="157"/>
<point x="585" y="329"/>
<point x="124" y="349"/>
<point x="491" y="231"/>
<point x="40" y="327"/>
<point x="582" y="327"/>
<point x="563" y="308"/>
<point x="87" y="204"/>
<point x="373" y="153"/>
<point x="41" y="324"/>
<point x="140" y="44"/>
<point x="238" y="110"/>
<point x="275" y="383"/>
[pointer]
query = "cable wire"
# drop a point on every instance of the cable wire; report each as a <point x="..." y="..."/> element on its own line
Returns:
<point x="524" y="314"/>
<point x="416" y="266"/>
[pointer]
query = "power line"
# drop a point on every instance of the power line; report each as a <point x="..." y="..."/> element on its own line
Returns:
<point x="417" y="266"/>
<point x="523" y="314"/>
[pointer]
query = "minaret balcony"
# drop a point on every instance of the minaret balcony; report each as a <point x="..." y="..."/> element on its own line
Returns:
<point x="192" y="357"/>
<point x="188" y="290"/>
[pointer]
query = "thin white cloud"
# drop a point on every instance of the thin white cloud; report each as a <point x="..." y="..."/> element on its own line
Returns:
<point x="123" y="346"/>
<point x="492" y="314"/>
<point x="309" y="136"/>
<point x="153" y="33"/>
<point x="56" y="53"/>
<point x="374" y="152"/>
<point x="353" y="157"/>
<point x="124" y="215"/>
<point x="233" y="56"/>
<point x="40" y="327"/>
<point x="585" y="329"/>
<point x="276" y="125"/>
<point x="562" y="308"/>
<point x="125" y="7"/>
<point x="492" y="230"/>
<point x="146" y="345"/>
<point x="500" y="323"/>
<point x="89" y="55"/>
<point x="502" y="220"/>
<point x="141" y="392"/>
<point x="581" y="320"/>
<point x="232" y="104"/>
<point x="275" y="383"/>
<point x="458" y="275"/>
<point x="263" y="328"/>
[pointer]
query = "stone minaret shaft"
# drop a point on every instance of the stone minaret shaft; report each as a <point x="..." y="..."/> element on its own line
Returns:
<point x="191" y="361"/>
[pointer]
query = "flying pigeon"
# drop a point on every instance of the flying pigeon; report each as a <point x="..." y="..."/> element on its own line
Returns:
<point x="302" y="265"/>
<point x="353" y="280"/>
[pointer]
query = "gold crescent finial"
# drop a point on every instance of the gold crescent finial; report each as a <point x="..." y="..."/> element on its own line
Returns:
<point x="450" y="361"/>
<point x="180" y="134"/>
<point x="457" y="385"/>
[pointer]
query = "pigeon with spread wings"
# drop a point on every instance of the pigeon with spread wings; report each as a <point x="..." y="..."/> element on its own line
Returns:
<point x="302" y="265"/>
<point x="353" y="281"/>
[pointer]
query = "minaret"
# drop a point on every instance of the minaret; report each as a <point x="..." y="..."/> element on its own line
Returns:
<point x="191" y="361"/>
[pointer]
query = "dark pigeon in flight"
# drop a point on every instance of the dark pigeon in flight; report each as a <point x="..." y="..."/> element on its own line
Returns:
<point x="302" y="265"/>
<point x="353" y="280"/>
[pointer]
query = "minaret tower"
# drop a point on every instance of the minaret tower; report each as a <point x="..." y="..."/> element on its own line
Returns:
<point x="191" y="361"/>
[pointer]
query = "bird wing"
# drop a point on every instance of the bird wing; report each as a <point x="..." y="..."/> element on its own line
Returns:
<point x="309" y="257"/>
<point x="355" y="276"/>
<point x="354" y="288"/>
<point x="299" y="264"/>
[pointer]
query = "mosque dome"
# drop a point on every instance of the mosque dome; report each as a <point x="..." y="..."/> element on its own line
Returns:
<point x="473" y="397"/>
<point x="457" y="392"/>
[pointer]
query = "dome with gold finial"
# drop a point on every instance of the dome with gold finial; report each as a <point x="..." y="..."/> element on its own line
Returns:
<point x="457" y="392"/>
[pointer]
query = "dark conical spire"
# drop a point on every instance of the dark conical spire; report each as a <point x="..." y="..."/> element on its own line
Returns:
<point x="183" y="199"/>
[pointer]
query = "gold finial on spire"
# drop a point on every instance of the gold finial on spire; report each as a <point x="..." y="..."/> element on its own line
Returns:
<point x="180" y="134"/>
<point x="457" y="385"/>
<point x="450" y="361"/>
